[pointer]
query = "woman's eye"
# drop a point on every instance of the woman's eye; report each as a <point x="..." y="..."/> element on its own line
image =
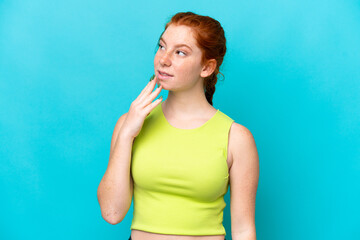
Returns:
<point x="183" y="53"/>
<point x="160" y="46"/>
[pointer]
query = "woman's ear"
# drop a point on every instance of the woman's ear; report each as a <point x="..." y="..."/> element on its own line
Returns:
<point x="209" y="68"/>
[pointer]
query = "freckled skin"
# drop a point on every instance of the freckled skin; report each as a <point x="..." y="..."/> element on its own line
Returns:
<point x="181" y="62"/>
<point x="186" y="83"/>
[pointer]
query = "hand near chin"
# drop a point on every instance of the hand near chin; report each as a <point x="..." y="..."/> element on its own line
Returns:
<point x="141" y="107"/>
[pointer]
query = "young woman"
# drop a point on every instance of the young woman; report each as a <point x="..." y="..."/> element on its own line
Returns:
<point x="178" y="157"/>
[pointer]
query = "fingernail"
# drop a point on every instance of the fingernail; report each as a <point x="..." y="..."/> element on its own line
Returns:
<point x="152" y="77"/>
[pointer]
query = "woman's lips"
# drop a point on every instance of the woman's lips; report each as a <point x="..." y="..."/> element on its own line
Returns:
<point x="164" y="76"/>
<point x="165" y="73"/>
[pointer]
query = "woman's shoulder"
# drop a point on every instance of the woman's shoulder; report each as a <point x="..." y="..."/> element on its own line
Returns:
<point x="238" y="132"/>
<point x="239" y="135"/>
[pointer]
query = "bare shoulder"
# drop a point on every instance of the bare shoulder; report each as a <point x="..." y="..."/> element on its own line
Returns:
<point x="244" y="177"/>
<point x="241" y="141"/>
<point x="239" y="134"/>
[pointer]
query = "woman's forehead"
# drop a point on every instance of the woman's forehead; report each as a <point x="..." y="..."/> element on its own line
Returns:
<point x="178" y="33"/>
<point x="181" y="34"/>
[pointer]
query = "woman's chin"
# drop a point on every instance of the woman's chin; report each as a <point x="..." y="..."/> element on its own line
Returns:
<point x="163" y="86"/>
<point x="162" y="83"/>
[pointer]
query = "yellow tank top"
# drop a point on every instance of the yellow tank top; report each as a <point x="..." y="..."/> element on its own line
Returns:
<point x="180" y="176"/>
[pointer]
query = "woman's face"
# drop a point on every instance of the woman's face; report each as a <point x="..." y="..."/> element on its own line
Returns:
<point x="182" y="62"/>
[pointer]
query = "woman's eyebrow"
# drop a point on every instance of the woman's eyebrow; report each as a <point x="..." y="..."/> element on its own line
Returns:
<point x="178" y="45"/>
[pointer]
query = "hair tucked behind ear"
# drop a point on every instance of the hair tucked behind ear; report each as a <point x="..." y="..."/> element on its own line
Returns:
<point x="210" y="37"/>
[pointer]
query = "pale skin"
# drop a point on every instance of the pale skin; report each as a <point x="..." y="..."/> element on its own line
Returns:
<point x="186" y="107"/>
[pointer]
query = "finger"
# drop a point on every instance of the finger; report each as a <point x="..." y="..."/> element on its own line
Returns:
<point x="146" y="87"/>
<point x="152" y="77"/>
<point x="148" y="90"/>
<point x="152" y="105"/>
<point x="151" y="97"/>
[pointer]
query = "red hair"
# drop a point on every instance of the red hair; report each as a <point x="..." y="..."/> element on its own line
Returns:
<point x="210" y="38"/>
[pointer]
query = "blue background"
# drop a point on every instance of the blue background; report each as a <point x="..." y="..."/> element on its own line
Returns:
<point x="70" y="69"/>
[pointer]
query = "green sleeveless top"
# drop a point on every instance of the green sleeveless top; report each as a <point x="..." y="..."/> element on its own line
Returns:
<point x="180" y="176"/>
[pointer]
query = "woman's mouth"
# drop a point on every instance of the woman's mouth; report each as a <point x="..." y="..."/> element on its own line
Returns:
<point x="164" y="76"/>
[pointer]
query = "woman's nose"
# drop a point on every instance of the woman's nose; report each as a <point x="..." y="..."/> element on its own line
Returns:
<point x="165" y="59"/>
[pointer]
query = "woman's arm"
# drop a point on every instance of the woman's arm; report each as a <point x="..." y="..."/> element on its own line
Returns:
<point x="116" y="187"/>
<point x="244" y="175"/>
